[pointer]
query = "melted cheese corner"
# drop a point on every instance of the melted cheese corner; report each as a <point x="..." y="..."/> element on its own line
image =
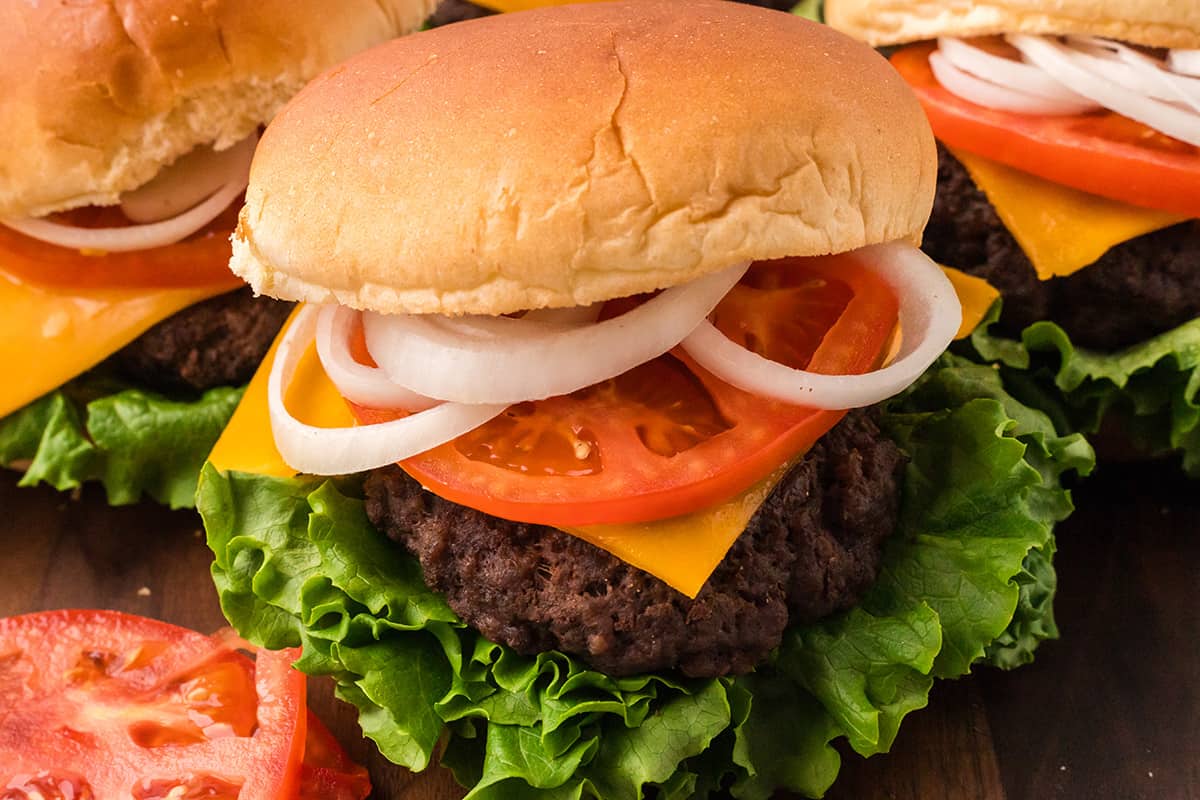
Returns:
<point x="1062" y="230"/>
<point x="48" y="337"/>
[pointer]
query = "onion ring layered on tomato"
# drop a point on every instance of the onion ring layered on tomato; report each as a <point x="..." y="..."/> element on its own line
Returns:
<point x="1100" y="152"/>
<point x="667" y="437"/>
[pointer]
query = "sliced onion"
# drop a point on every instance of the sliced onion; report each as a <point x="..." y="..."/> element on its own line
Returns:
<point x="189" y="181"/>
<point x="1071" y="68"/>
<point x="1184" y="62"/>
<point x="156" y="234"/>
<point x="1007" y="73"/>
<point x="1139" y="72"/>
<point x="992" y="95"/>
<point x="930" y="315"/>
<point x="505" y="360"/>
<point x="344" y="451"/>
<point x="358" y="383"/>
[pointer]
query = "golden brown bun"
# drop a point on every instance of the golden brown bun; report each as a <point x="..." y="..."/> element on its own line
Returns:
<point x="567" y="155"/>
<point x="1154" y="23"/>
<point x="96" y="97"/>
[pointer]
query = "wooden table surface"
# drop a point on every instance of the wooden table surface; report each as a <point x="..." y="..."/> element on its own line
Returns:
<point x="1110" y="711"/>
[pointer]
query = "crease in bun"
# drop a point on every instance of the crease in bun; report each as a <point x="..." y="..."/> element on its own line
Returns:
<point x="95" y="98"/>
<point x="1151" y="23"/>
<point x="568" y="155"/>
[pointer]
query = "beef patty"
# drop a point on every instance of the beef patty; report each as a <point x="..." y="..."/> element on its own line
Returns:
<point x="812" y="548"/>
<point x="219" y="342"/>
<point x="1136" y="290"/>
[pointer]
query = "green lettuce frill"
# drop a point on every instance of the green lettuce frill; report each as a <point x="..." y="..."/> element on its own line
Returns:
<point x="1153" y="388"/>
<point x="966" y="579"/>
<point x="132" y="441"/>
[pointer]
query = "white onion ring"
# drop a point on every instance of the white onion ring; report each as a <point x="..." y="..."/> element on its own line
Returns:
<point x="1069" y="67"/>
<point x="505" y="360"/>
<point x="993" y="95"/>
<point x="1184" y="62"/>
<point x="358" y="383"/>
<point x="187" y="182"/>
<point x="344" y="451"/>
<point x="1007" y="73"/>
<point x="930" y="315"/>
<point x="155" y="234"/>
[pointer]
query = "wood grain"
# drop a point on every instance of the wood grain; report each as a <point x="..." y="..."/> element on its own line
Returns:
<point x="1112" y="710"/>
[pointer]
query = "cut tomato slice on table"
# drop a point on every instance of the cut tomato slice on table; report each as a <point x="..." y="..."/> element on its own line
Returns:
<point x="327" y="772"/>
<point x="1099" y="152"/>
<point x="669" y="438"/>
<point x="99" y="704"/>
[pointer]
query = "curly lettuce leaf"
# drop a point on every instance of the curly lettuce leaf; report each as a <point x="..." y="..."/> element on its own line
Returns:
<point x="132" y="441"/>
<point x="965" y="580"/>
<point x="1153" y="388"/>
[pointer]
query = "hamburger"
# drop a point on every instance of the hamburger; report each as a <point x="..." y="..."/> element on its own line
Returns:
<point x="129" y="130"/>
<point x="1069" y="178"/>
<point x="600" y="564"/>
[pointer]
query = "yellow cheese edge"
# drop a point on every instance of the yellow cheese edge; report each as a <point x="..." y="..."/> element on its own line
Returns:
<point x="1061" y="230"/>
<point x="48" y="337"/>
<point x="682" y="551"/>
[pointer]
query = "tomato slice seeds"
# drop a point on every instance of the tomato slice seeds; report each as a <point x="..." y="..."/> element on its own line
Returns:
<point x="104" y="704"/>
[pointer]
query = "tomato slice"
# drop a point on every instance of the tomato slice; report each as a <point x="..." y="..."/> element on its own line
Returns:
<point x="201" y="260"/>
<point x="1099" y="152"/>
<point x="103" y="704"/>
<point x="669" y="438"/>
<point x="327" y="772"/>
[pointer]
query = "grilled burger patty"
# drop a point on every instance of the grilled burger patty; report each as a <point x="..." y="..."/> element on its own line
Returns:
<point x="219" y="342"/>
<point x="812" y="548"/>
<point x="1138" y="289"/>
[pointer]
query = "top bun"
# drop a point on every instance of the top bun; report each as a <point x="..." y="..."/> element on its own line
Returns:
<point x="1153" y="23"/>
<point x="567" y="155"/>
<point x="96" y="97"/>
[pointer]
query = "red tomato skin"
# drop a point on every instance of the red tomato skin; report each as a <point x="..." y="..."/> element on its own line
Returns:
<point x="1161" y="173"/>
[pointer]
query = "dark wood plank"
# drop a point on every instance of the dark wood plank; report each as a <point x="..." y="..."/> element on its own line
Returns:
<point x="1117" y="700"/>
<point x="943" y="751"/>
<point x="1113" y="709"/>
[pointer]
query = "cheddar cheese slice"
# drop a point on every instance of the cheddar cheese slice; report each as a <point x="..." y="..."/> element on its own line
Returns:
<point x="975" y="295"/>
<point x="48" y="336"/>
<point x="682" y="551"/>
<point x="1062" y="230"/>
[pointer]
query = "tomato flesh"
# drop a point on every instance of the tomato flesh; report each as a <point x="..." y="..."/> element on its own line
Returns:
<point x="201" y="260"/>
<point x="1099" y="152"/>
<point x="328" y="773"/>
<point x="102" y="704"/>
<point x="669" y="438"/>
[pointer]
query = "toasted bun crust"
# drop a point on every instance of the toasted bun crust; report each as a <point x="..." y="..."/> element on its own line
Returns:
<point x="567" y="155"/>
<point x="1153" y="23"/>
<point x="96" y="97"/>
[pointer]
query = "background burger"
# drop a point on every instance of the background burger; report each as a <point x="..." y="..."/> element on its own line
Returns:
<point x="624" y="545"/>
<point x="128" y="133"/>
<point x="1069" y="178"/>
